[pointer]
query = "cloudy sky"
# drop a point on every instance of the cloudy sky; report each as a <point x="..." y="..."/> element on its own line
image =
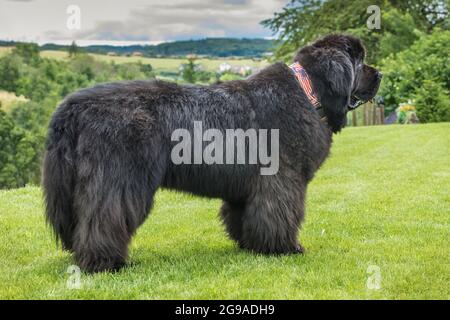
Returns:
<point x="133" y="21"/>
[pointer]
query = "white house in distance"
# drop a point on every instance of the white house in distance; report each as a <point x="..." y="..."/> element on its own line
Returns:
<point x="224" y="67"/>
<point x="242" y="70"/>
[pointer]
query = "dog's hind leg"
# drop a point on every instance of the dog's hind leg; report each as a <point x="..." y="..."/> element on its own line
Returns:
<point x="112" y="198"/>
<point x="231" y="214"/>
<point x="272" y="219"/>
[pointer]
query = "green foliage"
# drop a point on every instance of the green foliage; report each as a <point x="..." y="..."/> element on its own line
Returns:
<point x="73" y="50"/>
<point x="429" y="14"/>
<point x="399" y="32"/>
<point x="207" y="77"/>
<point x="95" y="71"/>
<point x="28" y="51"/>
<point x="33" y="116"/>
<point x="192" y="72"/>
<point x="228" y="76"/>
<point x="421" y="73"/>
<point x="432" y="101"/>
<point x="129" y="71"/>
<point x="10" y="67"/>
<point x="188" y="72"/>
<point x="51" y="78"/>
<point x="44" y="82"/>
<point x="69" y="81"/>
<point x="303" y="21"/>
<point x="146" y="69"/>
<point x="18" y="156"/>
<point x="33" y="85"/>
<point x="85" y="65"/>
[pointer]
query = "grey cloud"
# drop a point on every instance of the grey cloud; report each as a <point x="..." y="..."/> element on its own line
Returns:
<point x="240" y="2"/>
<point x="191" y="19"/>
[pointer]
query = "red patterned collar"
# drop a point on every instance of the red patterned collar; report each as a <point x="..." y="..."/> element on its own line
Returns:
<point x="305" y="83"/>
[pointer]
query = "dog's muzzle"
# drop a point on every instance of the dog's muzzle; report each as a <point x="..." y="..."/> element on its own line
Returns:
<point x="355" y="102"/>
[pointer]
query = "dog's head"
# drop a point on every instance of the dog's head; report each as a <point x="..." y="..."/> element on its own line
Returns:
<point x="341" y="78"/>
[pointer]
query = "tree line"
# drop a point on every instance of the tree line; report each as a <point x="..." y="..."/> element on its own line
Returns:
<point x="211" y="47"/>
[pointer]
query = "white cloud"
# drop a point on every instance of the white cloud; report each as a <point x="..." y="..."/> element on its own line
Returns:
<point x="136" y="20"/>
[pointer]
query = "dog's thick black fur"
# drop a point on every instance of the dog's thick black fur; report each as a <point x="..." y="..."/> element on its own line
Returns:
<point x="109" y="146"/>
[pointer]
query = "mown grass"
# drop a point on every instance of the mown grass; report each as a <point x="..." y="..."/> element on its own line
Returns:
<point x="162" y="64"/>
<point x="382" y="199"/>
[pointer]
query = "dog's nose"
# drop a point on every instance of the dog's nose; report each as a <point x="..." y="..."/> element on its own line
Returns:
<point x="379" y="75"/>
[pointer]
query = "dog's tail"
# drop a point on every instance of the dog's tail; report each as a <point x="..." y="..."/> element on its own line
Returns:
<point x="58" y="175"/>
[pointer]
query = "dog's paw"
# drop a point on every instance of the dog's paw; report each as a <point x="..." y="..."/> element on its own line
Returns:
<point x="299" y="249"/>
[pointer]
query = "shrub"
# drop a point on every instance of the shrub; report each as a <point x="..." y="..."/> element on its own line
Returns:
<point x="18" y="156"/>
<point x="230" y="76"/>
<point x="10" y="67"/>
<point x="28" y="51"/>
<point x="32" y="116"/>
<point x="433" y="102"/>
<point x="421" y="74"/>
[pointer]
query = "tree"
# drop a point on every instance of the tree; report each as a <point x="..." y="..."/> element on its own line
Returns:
<point x="303" y="21"/>
<point x="420" y="74"/>
<point x="34" y="85"/>
<point x="84" y="64"/>
<point x="70" y="81"/>
<point x="129" y="71"/>
<point x="189" y="70"/>
<point x="18" y="156"/>
<point x="146" y="69"/>
<point x="73" y="49"/>
<point x="28" y="51"/>
<point x="429" y="13"/>
<point x="432" y="102"/>
<point x="32" y="116"/>
<point x="10" y="72"/>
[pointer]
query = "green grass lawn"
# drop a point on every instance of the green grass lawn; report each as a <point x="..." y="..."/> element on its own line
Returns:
<point x="382" y="199"/>
<point x="162" y="64"/>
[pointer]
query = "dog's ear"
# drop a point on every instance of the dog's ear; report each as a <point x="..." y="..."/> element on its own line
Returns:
<point x="336" y="98"/>
<point x="333" y="75"/>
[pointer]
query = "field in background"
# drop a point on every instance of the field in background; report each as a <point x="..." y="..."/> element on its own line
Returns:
<point x="7" y="99"/>
<point x="163" y="64"/>
<point x="159" y="64"/>
<point x="5" y="50"/>
<point x="380" y="202"/>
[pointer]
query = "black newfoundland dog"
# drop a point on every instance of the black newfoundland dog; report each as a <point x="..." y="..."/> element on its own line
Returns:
<point x="109" y="149"/>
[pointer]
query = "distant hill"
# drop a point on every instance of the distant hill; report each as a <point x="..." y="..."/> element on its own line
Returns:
<point x="214" y="47"/>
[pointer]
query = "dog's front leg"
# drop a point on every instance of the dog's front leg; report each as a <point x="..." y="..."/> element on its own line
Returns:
<point x="272" y="218"/>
